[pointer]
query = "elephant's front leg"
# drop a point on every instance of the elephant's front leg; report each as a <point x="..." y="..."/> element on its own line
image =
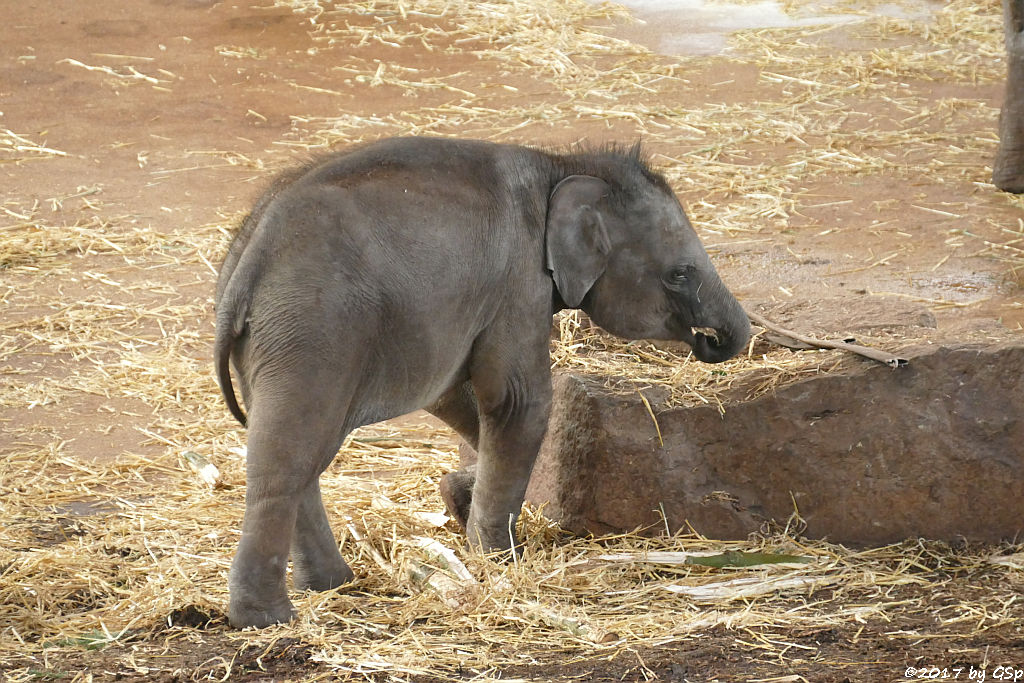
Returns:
<point x="511" y="431"/>
<point x="458" y="408"/>
<point x="1008" y="168"/>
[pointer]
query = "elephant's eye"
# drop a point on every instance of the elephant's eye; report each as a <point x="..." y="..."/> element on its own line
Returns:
<point x="679" y="275"/>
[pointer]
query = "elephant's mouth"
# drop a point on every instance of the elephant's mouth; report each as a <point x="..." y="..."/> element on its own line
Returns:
<point x="709" y="332"/>
<point x="698" y="336"/>
<point x="714" y="337"/>
<point x="708" y="343"/>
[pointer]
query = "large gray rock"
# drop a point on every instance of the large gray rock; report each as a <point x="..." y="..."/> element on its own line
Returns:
<point x="867" y="455"/>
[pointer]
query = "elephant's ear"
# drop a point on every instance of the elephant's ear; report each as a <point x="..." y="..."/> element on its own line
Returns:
<point x="576" y="242"/>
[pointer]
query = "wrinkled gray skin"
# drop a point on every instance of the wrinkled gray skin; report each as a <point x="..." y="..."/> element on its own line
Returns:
<point x="420" y="272"/>
<point x="1008" y="168"/>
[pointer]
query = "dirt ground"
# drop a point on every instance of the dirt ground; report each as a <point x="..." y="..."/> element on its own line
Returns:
<point x="136" y="134"/>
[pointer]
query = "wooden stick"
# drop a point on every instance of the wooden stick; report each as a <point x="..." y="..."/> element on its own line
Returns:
<point x="800" y="341"/>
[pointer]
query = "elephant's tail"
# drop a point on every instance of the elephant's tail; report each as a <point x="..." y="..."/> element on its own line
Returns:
<point x="232" y="311"/>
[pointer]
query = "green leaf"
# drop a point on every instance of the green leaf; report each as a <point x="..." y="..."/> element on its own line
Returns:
<point x="736" y="558"/>
<point x="93" y="640"/>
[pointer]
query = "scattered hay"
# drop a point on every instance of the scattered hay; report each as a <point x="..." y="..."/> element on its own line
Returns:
<point x="521" y="33"/>
<point x="126" y="75"/>
<point x="16" y="148"/>
<point x="728" y="158"/>
<point x="104" y="576"/>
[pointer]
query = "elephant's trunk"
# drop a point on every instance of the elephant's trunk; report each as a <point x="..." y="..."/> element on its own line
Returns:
<point x="726" y="328"/>
<point x="726" y="343"/>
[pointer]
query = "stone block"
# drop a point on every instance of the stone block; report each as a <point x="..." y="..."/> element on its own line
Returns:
<point x="867" y="455"/>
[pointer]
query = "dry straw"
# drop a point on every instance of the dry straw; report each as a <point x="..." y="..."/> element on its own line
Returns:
<point x="99" y="554"/>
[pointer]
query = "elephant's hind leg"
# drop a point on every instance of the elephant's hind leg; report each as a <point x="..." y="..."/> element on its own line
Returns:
<point x="458" y="408"/>
<point x="317" y="563"/>
<point x="289" y="444"/>
<point x="457" y="493"/>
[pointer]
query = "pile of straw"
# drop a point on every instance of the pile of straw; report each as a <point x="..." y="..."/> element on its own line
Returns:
<point x="111" y="578"/>
<point x="107" y="579"/>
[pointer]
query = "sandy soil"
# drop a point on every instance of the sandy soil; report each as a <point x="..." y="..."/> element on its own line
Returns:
<point x="200" y="110"/>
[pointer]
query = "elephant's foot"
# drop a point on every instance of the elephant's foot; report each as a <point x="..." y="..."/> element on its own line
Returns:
<point x="258" y="594"/>
<point x="498" y="540"/>
<point x="325" y="575"/>
<point x="491" y="534"/>
<point x="1008" y="164"/>
<point x="457" y="493"/>
<point x="247" y="609"/>
<point x="1009" y="177"/>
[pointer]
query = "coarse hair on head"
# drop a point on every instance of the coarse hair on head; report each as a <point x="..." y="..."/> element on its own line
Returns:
<point x="626" y="168"/>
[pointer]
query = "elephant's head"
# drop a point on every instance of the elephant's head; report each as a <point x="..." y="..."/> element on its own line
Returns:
<point x="624" y="252"/>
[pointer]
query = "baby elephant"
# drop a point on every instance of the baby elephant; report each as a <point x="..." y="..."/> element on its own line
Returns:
<point x="423" y="273"/>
